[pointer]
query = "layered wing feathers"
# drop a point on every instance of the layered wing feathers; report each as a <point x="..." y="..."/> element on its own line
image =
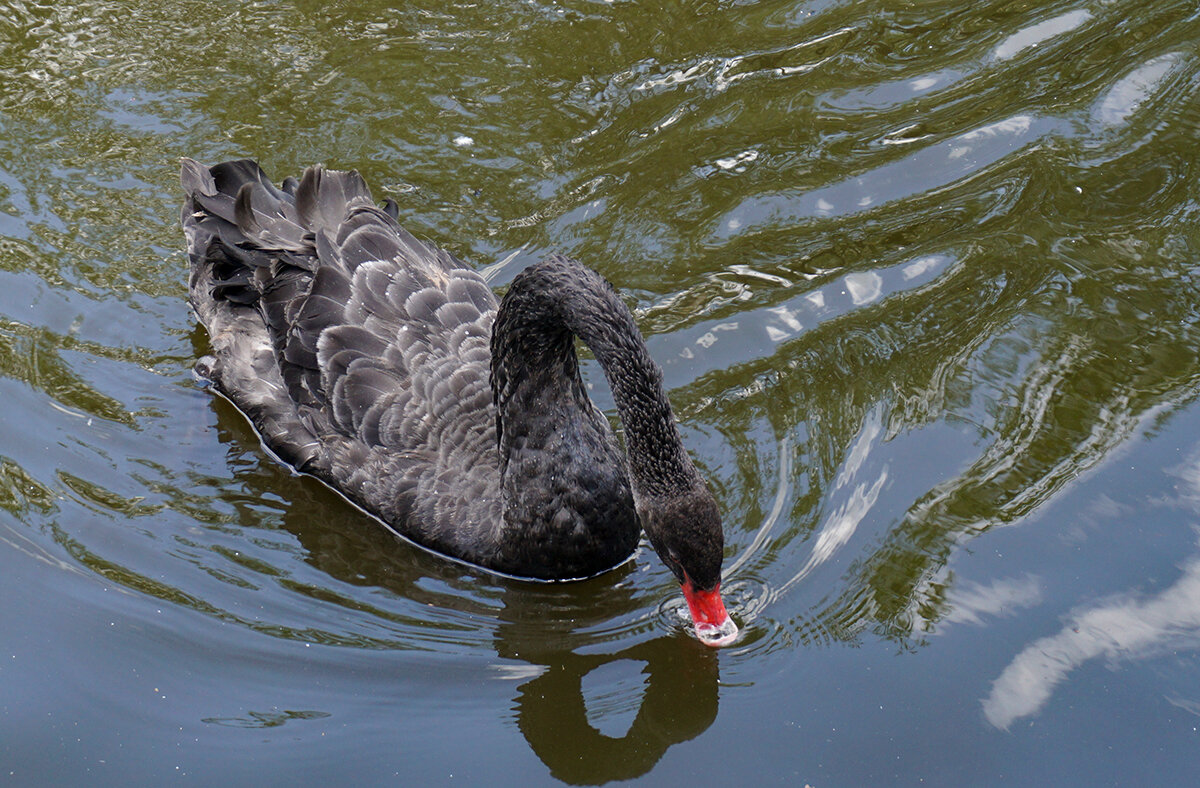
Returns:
<point x="359" y="352"/>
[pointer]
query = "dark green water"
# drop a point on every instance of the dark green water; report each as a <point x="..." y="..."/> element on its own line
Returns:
<point x="924" y="280"/>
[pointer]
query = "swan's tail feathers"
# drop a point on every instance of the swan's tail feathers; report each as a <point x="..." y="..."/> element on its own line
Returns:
<point x="215" y="189"/>
<point x="250" y="259"/>
<point x="236" y="219"/>
<point x="324" y="197"/>
<point x="350" y="230"/>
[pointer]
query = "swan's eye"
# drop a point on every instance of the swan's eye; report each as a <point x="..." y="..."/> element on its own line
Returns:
<point x="671" y="559"/>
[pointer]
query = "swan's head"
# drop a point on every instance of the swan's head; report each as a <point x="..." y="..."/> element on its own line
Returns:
<point x="685" y="531"/>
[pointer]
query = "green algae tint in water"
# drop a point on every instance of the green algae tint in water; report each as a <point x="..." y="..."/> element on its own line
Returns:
<point x="923" y="282"/>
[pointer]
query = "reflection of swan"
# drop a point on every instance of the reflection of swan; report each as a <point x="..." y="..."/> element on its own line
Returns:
<point x="547" y="637"/>
<point x="384" y="367"/>
<point x="680" y="703"/>
<point x="1124" y="628"/>
<point x="541" y="632"/>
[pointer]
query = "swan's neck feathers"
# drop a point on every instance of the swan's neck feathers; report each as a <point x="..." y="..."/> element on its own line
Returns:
<point x="545" y="308"/>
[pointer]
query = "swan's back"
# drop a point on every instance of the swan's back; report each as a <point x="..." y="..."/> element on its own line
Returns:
<point x="359" y="353"/>
<point x="387" y="369"/>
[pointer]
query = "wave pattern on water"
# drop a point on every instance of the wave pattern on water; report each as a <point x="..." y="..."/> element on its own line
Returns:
<point x="914" y="273"/>
<point x="803" y="255"/>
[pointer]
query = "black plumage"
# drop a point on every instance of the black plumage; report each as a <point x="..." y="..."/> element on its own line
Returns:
<point x="383" y="366"/>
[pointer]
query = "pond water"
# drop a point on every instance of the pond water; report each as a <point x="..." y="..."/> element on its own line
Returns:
<point x="925" y="283"/>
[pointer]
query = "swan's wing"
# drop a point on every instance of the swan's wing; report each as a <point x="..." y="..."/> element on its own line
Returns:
<point x="360" y="352"/>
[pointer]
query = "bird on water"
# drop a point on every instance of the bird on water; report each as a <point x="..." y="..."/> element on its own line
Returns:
<point x="386" y="368"/>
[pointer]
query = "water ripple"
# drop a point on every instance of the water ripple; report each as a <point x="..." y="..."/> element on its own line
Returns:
<point x="915" y="275"/>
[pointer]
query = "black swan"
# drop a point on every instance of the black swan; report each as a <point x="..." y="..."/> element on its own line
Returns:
<point x="385" y="367"/>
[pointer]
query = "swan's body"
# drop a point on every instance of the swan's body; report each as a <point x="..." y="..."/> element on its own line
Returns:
<point x="368" y="359"/>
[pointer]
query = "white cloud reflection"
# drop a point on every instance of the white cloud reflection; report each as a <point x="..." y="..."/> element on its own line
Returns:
<point x="1034" y="35"/>
<point x="1125" y="628"/>
<point x="1002" y="598"/>
<point x="844" y="520"/>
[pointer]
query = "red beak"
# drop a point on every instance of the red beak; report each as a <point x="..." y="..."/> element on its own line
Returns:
<point x="714" y="627"/>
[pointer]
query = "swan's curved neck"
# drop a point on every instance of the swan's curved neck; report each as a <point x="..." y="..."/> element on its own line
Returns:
<point x="547" y="306"/>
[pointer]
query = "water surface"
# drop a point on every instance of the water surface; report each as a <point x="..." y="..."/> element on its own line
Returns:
<point x="923" y="280"/>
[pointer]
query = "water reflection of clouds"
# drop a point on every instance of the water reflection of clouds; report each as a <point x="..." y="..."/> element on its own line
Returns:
<point x="686" y="353"/>
<point x="973" y="602"/>
<point x="1190" y="706"/>
<point x="1127" y="627"/>
<point x="939" y="166"/>
<point x="1134" y="89"/>
<point x="886" y="95"/>
<point x="1037" y="34"/>
<point x="845" y="519"/>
